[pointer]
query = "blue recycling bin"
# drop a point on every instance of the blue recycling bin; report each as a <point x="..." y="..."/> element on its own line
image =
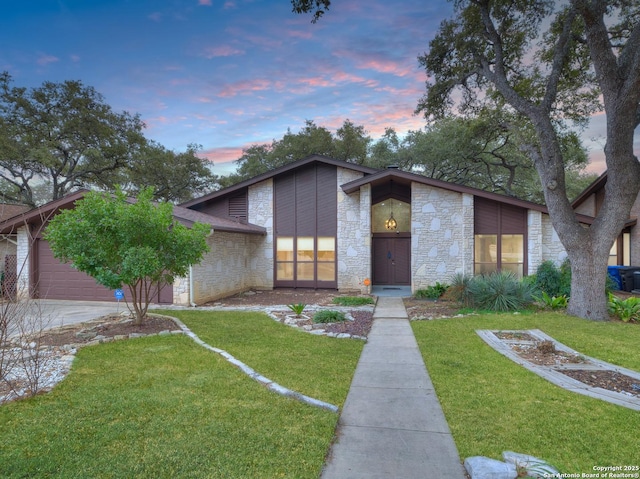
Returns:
<point x="614" y="272"/>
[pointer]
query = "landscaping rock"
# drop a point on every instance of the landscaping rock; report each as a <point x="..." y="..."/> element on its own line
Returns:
<point x="535" y="467"/>
<point x="480" y="467"/>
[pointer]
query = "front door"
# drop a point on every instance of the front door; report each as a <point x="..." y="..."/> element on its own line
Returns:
<point x="392" y="260"/>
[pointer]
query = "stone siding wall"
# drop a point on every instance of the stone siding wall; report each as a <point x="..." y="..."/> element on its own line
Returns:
<point x="354" y="234"/>
<point x="222" y="271"/>
<point x="441" y="235"/>
<point x="535" y="244"/>
<point x="552" y="247"/>
<point x="260" y="267"/>
<point x="23" y="254"/>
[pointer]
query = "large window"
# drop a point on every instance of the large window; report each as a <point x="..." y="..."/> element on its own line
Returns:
<point x="499" y="253"/>
<point x="306" y="258"/>
<point x="500" y="237"/>
<point x="391" y="209"/>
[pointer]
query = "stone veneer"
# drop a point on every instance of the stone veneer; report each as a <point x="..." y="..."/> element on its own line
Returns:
<point x="441" y="235"/>
<point x="261" y="264"/>
<point x="354" y="234"/>
<point x="23" y="261"/>
<point x="552" y="248"/>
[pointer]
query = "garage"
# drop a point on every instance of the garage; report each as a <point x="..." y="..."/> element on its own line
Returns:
<point x="56" y="280"/>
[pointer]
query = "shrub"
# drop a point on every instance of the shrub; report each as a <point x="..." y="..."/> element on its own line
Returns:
<point x="432" y="292"/>
<point x="297" y="308"/>
<point x="552" y="302"/>
<point x="328" y="316"/>
<point x="627" y="310"/>
<point x="352" y="300"/>
<point x="459" y="289"/>
<point x="500" y="291"/>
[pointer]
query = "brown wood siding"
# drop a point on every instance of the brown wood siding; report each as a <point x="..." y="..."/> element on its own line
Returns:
<point x="238" y="206"/>
<point x="306" y="204"/>
<point x="486" y="215"/>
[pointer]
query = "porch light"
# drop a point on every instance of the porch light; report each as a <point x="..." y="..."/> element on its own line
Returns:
<point x="391" y="223"/>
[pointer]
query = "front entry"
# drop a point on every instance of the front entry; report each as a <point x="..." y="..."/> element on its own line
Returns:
<point x="392" y="260"/>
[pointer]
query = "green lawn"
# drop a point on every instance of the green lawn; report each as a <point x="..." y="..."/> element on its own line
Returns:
<point x="492" y="404"/>
<point x="164" y="407"/>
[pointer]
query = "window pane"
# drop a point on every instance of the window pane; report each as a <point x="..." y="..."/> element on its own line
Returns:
<point x="284" y="271"/>
<point x="381" y="212"/>
<point x="305" y="272"/>
<point x="486" y="247"/>
<point x="516" y="268"/>
<point x="512" y="249"/>
<point x="305" y="248"/>
<point x="284" y="249"/>
<point x="326" y="249"/>
<point x="326" y="271"/>
<point x="485" y="268"/>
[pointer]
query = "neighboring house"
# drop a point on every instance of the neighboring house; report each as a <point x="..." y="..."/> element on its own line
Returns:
<point x="626" y="250"/>
<point x="324" y="223"/>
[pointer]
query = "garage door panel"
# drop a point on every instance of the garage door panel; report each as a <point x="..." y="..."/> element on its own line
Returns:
<point x="58" y="280"/>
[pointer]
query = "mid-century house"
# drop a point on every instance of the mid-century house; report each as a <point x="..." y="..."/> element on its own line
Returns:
<point x="324" y="223"/>
<point x="8" y="248"/>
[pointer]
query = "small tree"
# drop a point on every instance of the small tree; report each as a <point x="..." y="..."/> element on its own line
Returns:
<point x="123" y="242"/>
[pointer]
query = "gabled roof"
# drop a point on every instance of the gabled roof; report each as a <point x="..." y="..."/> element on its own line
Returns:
<point x="403" y="177"/>
<point x="594" y="187"/>
<point x="183" y="215"/>
<point x="275" y="172"/>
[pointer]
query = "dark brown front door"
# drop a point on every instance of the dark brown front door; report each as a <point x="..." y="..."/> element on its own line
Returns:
<point x="392" y="260"/>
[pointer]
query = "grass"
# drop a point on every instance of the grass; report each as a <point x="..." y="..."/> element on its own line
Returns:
<point x="493" y="405"/>
<point x="163" y="407"/>
<point x="352" y="300"/>
<point x="317" y="366"/>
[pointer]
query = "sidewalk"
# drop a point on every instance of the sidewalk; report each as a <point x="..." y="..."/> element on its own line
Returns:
<point x="392" y="425"/>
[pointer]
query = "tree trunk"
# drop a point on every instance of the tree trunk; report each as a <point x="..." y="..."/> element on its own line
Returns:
<point x="588" y="281"/>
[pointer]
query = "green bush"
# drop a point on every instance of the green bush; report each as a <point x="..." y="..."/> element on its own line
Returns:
<point x="352" y="300"/>
<point x="459" y="289"/>
<point x="328" y="316"/>
<point x="627" y="310"/>
<point x="432" y="292"/>
<point x="500" y="291"/>
<point x="552" y="302"/>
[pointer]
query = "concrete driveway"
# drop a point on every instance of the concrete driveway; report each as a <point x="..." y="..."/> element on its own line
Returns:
<point x="59" y="312"/>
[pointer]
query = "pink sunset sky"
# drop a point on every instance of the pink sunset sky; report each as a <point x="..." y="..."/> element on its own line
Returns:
<point x="227" y="74"/>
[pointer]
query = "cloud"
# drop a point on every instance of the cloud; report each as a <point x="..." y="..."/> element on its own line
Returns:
<point x="222" y="51"/>
<point x="74" y="58"/>
<point x="306" y="35"/>
<point x="206" y="3"/>
<point x="245" y="87"/>
<point x="155" y="16"/>
<point x="44" y="59"/>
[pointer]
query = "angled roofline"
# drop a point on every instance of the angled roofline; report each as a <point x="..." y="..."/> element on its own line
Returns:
<point x="595" y="186"/>
<point x="278" y="171"/>
<point x="383" y="175"/>
<point x="185" y="216"/>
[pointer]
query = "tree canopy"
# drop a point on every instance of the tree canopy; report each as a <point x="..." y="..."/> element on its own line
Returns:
<point x="122" y="242"/>
<point x="59" y="137"/>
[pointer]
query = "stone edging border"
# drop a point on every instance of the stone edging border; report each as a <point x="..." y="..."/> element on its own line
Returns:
<point x="551" y="374"/>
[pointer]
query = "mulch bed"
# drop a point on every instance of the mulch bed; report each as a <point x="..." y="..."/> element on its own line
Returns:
<point x="609" y="380"/>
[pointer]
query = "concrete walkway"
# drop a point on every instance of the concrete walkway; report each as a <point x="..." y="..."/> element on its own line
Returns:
<point x="392" y="425"/>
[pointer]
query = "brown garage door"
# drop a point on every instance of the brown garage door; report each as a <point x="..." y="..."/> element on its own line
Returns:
<point x="56" y="280"/>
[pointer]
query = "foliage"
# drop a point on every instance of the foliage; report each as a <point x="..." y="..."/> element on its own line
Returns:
<point x="118" y="242"/>
<point x="459" y="289"/>
<point x="297" y="308"/>
<point x="553" y="280"/>
<point x="432" y="292"/>
<point x="59" y="137"/>
<point x="473" y="381"/>
<point x="329" y="316"/>
<point x="352" y="300"/>
<point x="350" y="143"/>
<point x="174" y="176"/>
<point x="627" y="309"/>
<point x="552" y="302"/>
<point x="499" y="291"/>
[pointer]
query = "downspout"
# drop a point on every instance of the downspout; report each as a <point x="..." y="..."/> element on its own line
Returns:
<point x="192" y="302"/>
